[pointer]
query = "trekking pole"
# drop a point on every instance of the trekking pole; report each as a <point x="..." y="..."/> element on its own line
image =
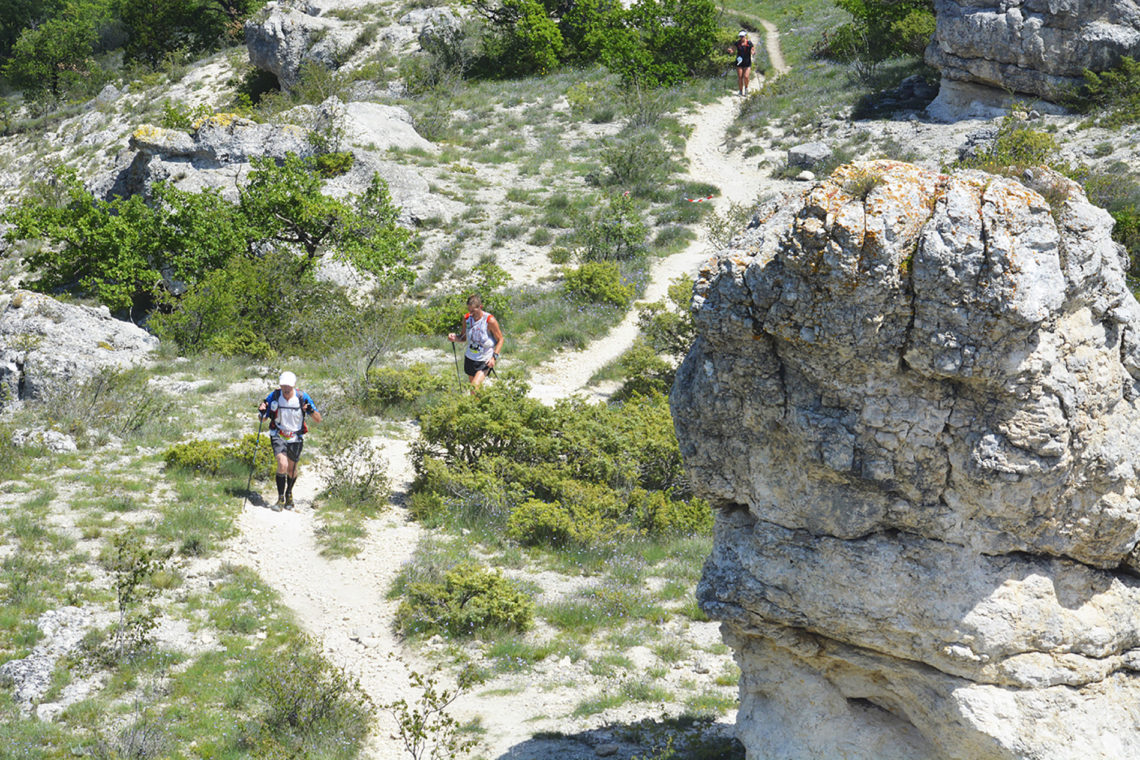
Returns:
<point x="253" y="459"/>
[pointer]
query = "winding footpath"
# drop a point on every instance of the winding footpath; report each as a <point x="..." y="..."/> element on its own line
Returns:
<point x="342" y="602"/>
<point x="710" y="162"/>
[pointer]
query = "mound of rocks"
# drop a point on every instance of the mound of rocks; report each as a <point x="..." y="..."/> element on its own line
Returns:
<point x="914" y="398"/>
<point x="1026" y="47"/>
<point x="45" y="344"/>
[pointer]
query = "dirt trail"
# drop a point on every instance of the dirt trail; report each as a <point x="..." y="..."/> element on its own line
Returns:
<point x="342" y="602"/>
<point x="709" y="161"/>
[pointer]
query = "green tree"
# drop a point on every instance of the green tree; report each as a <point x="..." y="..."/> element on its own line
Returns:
<point x="882" y="29"/>
<point x="18" y="15"/>
<point x="283" y="203"/>
<point x="123" y="252"/>
<point x="100" y="248"/>
<point x="156" y="27"/>
<point x="660" y="42"/>
<point x="56" y="55"/>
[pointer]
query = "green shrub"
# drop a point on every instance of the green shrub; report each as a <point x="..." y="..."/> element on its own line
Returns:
<point x="540" y="522"/>
<point x="661" y="515"/>
<point x="445" y="313"/>
<point x="391" y="386"/>
<point x="615" y="232"/>
<point x="635" y="159"/>
<point x="1114" y="95"/>
<point x="575" y="473"/>
<point x="182" y="116"/>
<point x="644" y="371"/>
<point x="213" y="457"/>
<point x="334" y="164"/>
<point x="198" y="456"/>
<point x="307" y="706"/>
<point x="357" y="476"/>
<point x="1016" y="146"/>
<point x="880" y="29"/>
<point x="598" y="282"/>
<point x="470" y="601"/>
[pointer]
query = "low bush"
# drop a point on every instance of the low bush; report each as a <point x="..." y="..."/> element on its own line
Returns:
<point x="615" y="232"/>
<point x="386" y="387"/>
<point x="357" y="476"/>
<point x="575" y="473"/>
<point x="469" y="601"/>
<point x="334" y="164"/>
<point x="1113" y="96"/>
<point x="598" y="282"/>
<point x="215" y="457"/>
<point x="114" y="401"/>
<point x="307" y="706"/>
<point x="1016" y="146"/>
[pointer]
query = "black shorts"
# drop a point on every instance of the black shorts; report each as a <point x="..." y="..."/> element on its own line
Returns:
<point x="471" y="367"/>
<point x="291" y="449"/>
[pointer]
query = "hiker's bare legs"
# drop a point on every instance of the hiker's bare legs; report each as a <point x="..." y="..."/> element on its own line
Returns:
<point x="286" y="466"/>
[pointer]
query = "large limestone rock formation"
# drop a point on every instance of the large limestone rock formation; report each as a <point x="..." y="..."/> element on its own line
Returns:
<point x="914" y="397"/>
<point x="219" y="151"/>
<point x="45" y="344"/>
<point x="1027" y="47"/>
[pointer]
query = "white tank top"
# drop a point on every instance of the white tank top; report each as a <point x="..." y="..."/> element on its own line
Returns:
<point x="480" y="344"/>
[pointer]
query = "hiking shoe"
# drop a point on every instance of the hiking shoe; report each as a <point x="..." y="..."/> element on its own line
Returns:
<point x="280" y="503"/>
<point x="288" y="501"/>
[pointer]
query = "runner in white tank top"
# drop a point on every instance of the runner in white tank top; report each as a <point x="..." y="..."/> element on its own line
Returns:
<point x="484" y="341"/>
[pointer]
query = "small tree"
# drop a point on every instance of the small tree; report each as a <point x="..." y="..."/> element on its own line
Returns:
<point x="100" y="248"/>
<point x="425" y="726"/>
<point x="283" y="203"/>
<point x="56" y="55"/>
<point x="132" y="564"/>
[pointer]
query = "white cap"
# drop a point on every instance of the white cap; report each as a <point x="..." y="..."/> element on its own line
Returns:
<point x="288" y="378"/>
<point x="742" y="33"/>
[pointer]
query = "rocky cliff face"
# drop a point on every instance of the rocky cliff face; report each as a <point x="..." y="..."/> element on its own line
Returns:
<point x="915" y="398"/>
<point x="1029" y="47"/>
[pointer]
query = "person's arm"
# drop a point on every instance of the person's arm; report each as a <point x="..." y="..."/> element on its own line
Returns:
<point x="460" y="336"/>
<point x="311" y="409"/>
<point x="497" y="334"/>
<point x="261" y="409"/>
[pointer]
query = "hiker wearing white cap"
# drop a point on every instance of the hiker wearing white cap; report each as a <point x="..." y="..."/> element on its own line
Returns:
<point x="287" y="407"/>
<point x="743" y="49"/>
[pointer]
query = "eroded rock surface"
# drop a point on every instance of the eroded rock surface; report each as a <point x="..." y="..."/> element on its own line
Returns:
<point x="1029" y="46"/>
<point x="218" y="155"/>
<point x="45" y="344"/>
<point x="915" y="397"/>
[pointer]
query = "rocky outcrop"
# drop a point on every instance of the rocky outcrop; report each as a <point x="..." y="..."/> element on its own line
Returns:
<point x="914" y="397"/>
<point x="217" y="154"/>
<point x="282" y="39"/>
<point x="45" y="344"/>
<point x="1026" y="47"/>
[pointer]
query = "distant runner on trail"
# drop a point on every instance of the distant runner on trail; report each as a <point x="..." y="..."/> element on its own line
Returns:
<point x="743" y="49"/>
<point x="484" y="341"/>
<point x="286" y="409"/>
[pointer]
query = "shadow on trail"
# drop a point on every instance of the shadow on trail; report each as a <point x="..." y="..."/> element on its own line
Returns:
<point x="683" y="738"/>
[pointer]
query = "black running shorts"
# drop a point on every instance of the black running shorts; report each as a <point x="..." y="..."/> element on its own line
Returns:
<point x="470" y="366"/>
<point x="291" y="449"/>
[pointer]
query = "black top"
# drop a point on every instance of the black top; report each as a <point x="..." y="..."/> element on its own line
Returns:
<point x="744" y="54"/>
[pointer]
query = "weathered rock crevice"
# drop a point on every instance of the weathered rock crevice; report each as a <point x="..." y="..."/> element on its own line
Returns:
<point x="921" y="395"/>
